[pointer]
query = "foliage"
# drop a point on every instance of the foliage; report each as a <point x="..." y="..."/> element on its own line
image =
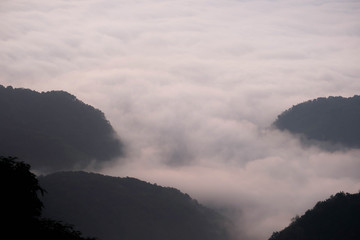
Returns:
<point x="333" y="119"/>
<point x="56" y="230"/>
<point x="54" y="130"/>
<point x="19" y="189"/>
<point x="127" y="208"/>
<point x="21" y="207"/>
<point x="336" y="218"/>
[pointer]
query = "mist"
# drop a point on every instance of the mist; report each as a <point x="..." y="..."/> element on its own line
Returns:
<point x="262" y="183"/>
<point x="192" y="89"/>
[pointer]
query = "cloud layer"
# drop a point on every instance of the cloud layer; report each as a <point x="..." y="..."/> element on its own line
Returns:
<point x="193" y="86"/>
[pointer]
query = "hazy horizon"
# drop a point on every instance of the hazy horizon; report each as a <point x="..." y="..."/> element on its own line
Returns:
<point x="192" y="88"/>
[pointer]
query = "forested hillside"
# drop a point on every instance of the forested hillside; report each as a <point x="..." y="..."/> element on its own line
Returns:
<point x="113" y="208"/>
<point x="54" y="130"/>
<point x="336" y="218"/>
<point x="334" y="119"/>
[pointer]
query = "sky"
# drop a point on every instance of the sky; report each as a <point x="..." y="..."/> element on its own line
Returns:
<point x="192" y="88"/>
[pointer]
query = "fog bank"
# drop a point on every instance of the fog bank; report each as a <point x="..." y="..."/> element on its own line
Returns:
<point x="192" y="88"/>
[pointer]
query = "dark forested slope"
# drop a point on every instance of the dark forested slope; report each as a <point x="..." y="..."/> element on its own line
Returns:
<point x="112" y="208"/>
<point x="54" y="130"/>
<point x="336" y="218"/>
<point x="333" y="119"/>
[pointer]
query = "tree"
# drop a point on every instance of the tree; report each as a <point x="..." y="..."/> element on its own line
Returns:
<point x="20" y="206"/>
<point x="20" y="189"/>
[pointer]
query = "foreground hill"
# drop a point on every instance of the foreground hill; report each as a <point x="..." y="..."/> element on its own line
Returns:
<point x="112" y="208"/>
<point x="336" y="218"/>
<point x="54" y="130"/>
<point x="333" y="119"/>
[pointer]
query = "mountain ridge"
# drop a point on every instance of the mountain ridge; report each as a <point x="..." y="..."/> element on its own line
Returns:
<point x="54" y="130"/>
<point x="335" y="218"/>
<point x="113" y="208"/>
<point x="332" y="120"/>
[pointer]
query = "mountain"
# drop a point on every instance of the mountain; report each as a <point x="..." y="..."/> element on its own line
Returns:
<point x="54" y="130"/>
<point x="334" y="120"/>
<point x="336" y="218"/>
<point x="113" y="208"/>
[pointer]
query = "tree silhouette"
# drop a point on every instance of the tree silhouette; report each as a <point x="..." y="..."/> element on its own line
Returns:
<point x="20" y="206"/>
<point x="19" y="191"/>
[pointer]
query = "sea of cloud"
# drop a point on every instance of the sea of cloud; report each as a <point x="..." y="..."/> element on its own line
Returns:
<point x="192" y="88"/>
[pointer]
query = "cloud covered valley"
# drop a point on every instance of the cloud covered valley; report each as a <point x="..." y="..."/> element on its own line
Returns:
<point x="193" y="87"/>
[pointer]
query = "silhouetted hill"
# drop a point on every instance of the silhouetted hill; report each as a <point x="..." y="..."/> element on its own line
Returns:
<point x="333" y="119"/>
<point x="54" y="130"/>
<point x="113" y="208"/>
<point x="336" y="218"/>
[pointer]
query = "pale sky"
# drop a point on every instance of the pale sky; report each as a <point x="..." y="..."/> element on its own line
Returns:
<point x="192" y="87"/>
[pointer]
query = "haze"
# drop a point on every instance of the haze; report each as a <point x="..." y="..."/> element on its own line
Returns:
<point x="192" y="88"/>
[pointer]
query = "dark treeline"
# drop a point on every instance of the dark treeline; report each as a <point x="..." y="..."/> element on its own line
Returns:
<point x="333" y="119"/>
<point x="21" y="208"/>
<point x="336" y="218"/>
<point x="54" y="130"/>
<point x="113" y="208"/>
